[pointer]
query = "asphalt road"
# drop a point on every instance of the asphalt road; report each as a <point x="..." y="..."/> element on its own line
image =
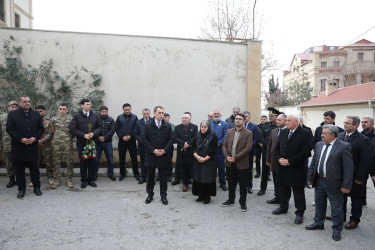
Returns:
<point x="114" y="216"/>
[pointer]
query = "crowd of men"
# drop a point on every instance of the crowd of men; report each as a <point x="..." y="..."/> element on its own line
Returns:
<point x="342" y="161"/>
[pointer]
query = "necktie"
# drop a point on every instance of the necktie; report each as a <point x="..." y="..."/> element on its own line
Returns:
<point x="186" y="130"/>
<point x="320" y="170"/>
<point x="158" y="124"/>
<point x="346" y="137"/>
<point x="278" y="133"/>
<point x="290" y="134"/>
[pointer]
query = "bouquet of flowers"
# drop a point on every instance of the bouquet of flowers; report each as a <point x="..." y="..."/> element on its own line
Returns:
<point x="89" y="151"/>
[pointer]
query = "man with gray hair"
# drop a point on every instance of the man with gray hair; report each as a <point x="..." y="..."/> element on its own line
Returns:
<point x="332" y="158"/>
<point x="230" y="119"/>
<point x="292" y="149"/>
<point x="361" y="151"/>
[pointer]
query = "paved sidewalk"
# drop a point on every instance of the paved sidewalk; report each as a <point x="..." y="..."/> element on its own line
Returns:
<point x="114" y="216"/>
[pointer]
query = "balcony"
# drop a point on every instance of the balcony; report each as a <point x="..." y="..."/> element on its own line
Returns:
<point x="359" y="67"/>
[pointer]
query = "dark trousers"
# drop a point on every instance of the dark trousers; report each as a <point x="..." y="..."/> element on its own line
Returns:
<point x="237" y="176"/>
<point x="170" y="166"/>
<point x="258" y="156"/>
<point x="275" y="184"/>
<point x="108" y="151"/>
<point x="143" y="168"/>
<point x="285" y="192"/>
<point x="357" y="203"/>
<point x="221" y="166"/>
<point x="336" y="199"/>
<point x="87" y="168"/>
<point x="151" y="180"/>
<point x="20" y="174"/>
<point x="250" y="170"/>
<point x="265" y="170"/>
<point x="132" y="147"/>
<point x="186" y="173"/>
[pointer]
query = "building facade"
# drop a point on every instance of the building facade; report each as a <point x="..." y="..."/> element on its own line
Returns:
<point x="348" y="65"/>
<point x="16" y="14"/>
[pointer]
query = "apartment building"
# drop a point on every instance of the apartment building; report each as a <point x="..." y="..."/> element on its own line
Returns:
<point x="16" y="14"/>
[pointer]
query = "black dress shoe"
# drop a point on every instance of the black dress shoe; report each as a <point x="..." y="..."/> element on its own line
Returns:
<point x="121" y="177"/>
<point x="298" y="220"/>
<point x="21" y="194"/>
<point x="11" y="183"/>
<point x="273" y="201"/>
<point x="175" y="182"/>
<point x="243" y="207"/>
<point x="250" y="190"/>
<point x="228" y="203"/>
<point x="223" y="187"/>
<point x="92" y="184"/>
<point x="336" y="236"/>
<point x="112" y="178"/>
<point x="137" y="177"/>
<point x="257" y="176"/>
<point x="279" y="211"/>
<point x="142" y="181"/>
<point x="149" y="199"/>
<point x="200" y="199"/>
<point x="208" y="200"/>
<point x="95" y="178"/>
<point x="37" y="192"/>
<point x="164" y="200"/>
<point x="83" y="184"/>
<point x="261" y="192"/>
<point x="314" y="226"/>
<point x="328" y="217"/>
<point x="169" y="179"/>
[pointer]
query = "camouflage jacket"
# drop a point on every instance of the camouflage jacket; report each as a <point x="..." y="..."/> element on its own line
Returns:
<point x="4" y="136"/>
<point x="61" y="127"/>
<point x="47" y="136"/>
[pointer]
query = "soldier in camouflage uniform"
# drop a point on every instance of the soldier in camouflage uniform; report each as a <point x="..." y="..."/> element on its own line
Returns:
<point x="45" y="148"/>
<point x="62" y="146"/>
<point x="5" y="144"/>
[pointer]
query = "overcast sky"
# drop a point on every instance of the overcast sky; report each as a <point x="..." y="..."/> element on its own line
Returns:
<point x="291" y="25"/>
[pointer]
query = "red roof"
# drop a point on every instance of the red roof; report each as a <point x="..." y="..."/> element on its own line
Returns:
<point x="357" y="93"/>
<point x="304" y="56"/>
<point x="361" y="43"/>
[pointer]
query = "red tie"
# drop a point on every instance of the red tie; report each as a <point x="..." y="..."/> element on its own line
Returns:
<point x="186" y="130"/>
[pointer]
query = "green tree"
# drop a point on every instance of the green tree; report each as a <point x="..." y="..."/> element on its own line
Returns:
<point x="299" y="90"/>
<point x="275" y="97"/>
<point x="43" y="84"/>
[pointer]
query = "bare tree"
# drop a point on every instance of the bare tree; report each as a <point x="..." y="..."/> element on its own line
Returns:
<point x="236" y="21"/>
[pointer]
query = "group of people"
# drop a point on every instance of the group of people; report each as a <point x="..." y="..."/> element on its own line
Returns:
<point x="341" y="164"/>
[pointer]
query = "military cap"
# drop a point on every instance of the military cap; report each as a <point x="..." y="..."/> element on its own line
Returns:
<point x="166" y="114"/>
<point x="274" y="111"/>
<point x="12" y="103"/>
<point x="40" y="107"/>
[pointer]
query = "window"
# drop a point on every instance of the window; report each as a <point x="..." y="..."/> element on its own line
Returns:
<point x="16" y="20"/>
<point x="360" y="56"/>
<point x="323" y="65"/>
<point x="337" y="81"/>
<point x="336" y="64"/>
<point x="2" y="11"/>
<point x="323" y="84"/>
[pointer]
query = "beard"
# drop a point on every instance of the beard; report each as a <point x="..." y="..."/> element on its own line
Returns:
<point x="216" y="119"/>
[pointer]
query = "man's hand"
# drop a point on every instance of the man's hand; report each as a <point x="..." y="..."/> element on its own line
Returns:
<point x="126" y="138"/>
<point x="284" y="162"/>
<point x="186" y="145"/>
<point x="345" y="191"/>
<point x="268" y="164"/>
<point x="87" y="137"/>
<point x="40" y="143"/>
<point x="309" y="183"/>
<point x="358" y="182"/>
<point x="231" y="159"/>
<point x="260" y="145"/>
<point x="158" y="152"/>
<point x="101" y="138"/>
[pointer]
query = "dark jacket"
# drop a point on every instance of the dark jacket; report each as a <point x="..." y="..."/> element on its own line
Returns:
<point x="20" y="126"/>
<point x="256" y="133"/>
<point x="107" y="128"/>
<point x="185" y="156"/>
<point x="371" y="136"/>
<point x="318" y="134"/>
<point x="339" y="166"/>
<point x="205" y="172"/>
<point x="157" y="138"/>
<point x="125" y="125"/>
<point x="361" y="151"/>
<point x="139" y="126"/>
<point x="265" y="133"/>
<point x="230" y="121"/>
<point x="296" y="151"/>
<point x="80" y="126"/>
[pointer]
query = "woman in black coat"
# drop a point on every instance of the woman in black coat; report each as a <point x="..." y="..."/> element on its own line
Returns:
<point x="204" y="167"/>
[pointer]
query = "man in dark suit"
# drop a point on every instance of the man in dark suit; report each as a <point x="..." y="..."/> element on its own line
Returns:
<point x="361" y="151"/>
<point x="25" y="127"/>
<point x="157" y="138"/>
<point x="256" y="133"/>
<point x="329" y="118"/>
<point x="270" y="159"/>
<point x="330" y="172"/>
<point x="138" y="135"/>
<point x="184" y="135"/>
<point x="292" y="149"/>
<point x="258" y="149"/>
<point x="236" y="147"/>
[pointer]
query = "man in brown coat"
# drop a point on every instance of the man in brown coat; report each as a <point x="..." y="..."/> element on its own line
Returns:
<point x="270" y="159"/>
<point x="236" y="147"/>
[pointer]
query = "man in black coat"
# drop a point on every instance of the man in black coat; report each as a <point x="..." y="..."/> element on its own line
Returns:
<point x="292" y="149"/>
<point x="184" y="135"/>
<point x="25" y="127"/>
<point x="138" y="135"/>
<point x="361" y="151"/>
<point x="329" y="118"/>
<point x="125" y="125"/>
<point x="157" y="139"/>
<point x="85" y="125"/>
